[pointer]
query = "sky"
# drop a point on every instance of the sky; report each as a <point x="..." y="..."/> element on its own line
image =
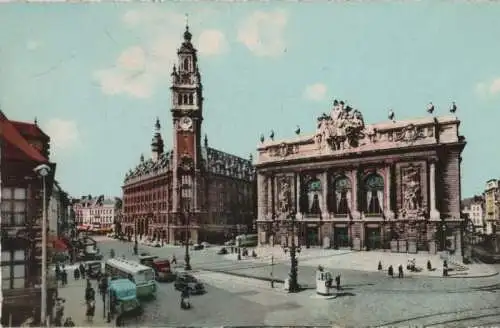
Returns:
<point x="96" y="76"/>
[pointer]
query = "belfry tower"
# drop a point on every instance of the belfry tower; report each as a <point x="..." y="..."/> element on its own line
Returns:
<point x="187" y="116"/>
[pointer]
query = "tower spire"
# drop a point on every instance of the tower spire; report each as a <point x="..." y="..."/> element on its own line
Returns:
<point x="187" y="34"/>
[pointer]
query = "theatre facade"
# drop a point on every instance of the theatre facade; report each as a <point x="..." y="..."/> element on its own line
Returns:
<point x="392" y="185"/>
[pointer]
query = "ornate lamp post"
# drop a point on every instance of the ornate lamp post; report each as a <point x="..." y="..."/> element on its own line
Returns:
<point x="185" y="194"/>
<point x="43" y="171"/>
<point x="294" y="285"/>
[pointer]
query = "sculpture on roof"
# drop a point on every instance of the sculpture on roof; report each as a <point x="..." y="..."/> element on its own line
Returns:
<point x="341" y="129"/>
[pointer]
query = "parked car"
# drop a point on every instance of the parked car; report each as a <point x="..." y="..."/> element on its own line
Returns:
<point x="205" y="244"/>
<point x="186" y="280"/>
<point x="222" y="251"/>
<point x="197" y="247"/>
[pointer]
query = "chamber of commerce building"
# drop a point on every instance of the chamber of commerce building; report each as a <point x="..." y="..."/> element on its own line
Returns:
<point x="392" y="185"/>
<point x="192" y="189"/>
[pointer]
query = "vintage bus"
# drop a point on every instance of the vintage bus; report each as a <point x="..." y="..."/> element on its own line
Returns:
<point x="250" y="240"/>
<point x="142" y="276"/>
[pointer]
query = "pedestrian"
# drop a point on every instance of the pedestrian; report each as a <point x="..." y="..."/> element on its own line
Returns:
<point x="76" y="274"/>
<point x="390" y="271"/>
<point x="64" y="277"/>
<point x="90" y="311"/>
<point x="174" y="260"/>
<point x="429" y="265"/>
<point x="379" y="265"/>
<point x="337" y="281"/>
<point x="400" y="271"/>
<point x="82" y="270"/>
<point x="119" y="321"/>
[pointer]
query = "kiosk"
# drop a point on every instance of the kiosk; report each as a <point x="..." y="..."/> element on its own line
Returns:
<point x="324" y="281"/>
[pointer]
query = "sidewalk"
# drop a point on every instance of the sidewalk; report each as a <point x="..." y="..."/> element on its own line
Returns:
<point x="74" y="307"/>
<point x="367" y="261"/>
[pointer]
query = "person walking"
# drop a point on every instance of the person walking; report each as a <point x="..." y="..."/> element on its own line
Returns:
<point x="337" y="281"/>
<point x="64" y="277"/>
<point x="400" y="271"/>
<point x="390" y="271"/>
<point x="174" y="260"/>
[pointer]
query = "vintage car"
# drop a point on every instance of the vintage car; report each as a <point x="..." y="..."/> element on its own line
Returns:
<point x="184" y="280"/>
<point x="93" y="269"/>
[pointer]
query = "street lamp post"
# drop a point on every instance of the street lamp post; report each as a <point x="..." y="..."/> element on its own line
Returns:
<point x="185" y="213"/>
<point x="43" y="170"/>
<point x="293" y="285"/>
<point x="443" y="239"/>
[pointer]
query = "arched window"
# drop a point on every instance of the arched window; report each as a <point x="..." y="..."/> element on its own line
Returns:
<point x="310" y="197"/>
<point x="185" y="100"/>
<point x="179" y="99"/>
<point x="190" y="98"/>
<point x="374" y="194"/>
<point x="342" y="195"/>
<point x="186" y="64"/>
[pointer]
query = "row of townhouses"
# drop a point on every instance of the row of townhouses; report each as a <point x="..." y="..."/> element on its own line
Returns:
<point x="100" y="210"/>
<point x="24" y="151"/>
<point x="484" y="210"/>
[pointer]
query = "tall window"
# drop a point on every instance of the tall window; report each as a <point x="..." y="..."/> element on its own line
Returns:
<point x="13" y="269"/>
<point x="190" y="98"/>
<point x="342" y="195"/>
<point x="310" y="197"/>
<point x="179" y="99"/>
<point x="185" y="100"/>
<point x="14" y="206"/>
<point x="186" y="64"/>
<point x="374" y="194"/>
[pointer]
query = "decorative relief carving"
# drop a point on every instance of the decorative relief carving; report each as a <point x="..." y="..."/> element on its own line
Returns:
<point x="342" y="129"/>
<point x="187" y="163"/>
<point x="411" y="193"/>
<point x="283" y="150"/>
<point x="284" y="195"/>
<point x="410" y="134"/>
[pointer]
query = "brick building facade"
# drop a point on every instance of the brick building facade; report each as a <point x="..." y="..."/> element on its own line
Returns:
<point x="393" y="185"/>
<point x="192" y="187"/>
<point x="24" y="146"/>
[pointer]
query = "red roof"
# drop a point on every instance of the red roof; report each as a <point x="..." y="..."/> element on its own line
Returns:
<point x="15" y="145"/>
<point x="29" y="129"/>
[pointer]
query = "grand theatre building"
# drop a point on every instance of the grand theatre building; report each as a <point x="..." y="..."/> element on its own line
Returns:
<point x="392" y="185"/>
<point x="191" y="189"/>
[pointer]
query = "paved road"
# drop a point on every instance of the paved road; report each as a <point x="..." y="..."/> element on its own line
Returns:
<point x="368" y="299"/>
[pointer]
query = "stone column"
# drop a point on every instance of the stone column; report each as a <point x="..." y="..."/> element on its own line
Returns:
<point x="434" y="213"/>
<point x="261" y="210"/>
<point x="297" y="198"/>
<point x="388" y="186"/>
<point x="354" y="195"/>
<point x="324" y="186"/>
<point x="270" y="181"/>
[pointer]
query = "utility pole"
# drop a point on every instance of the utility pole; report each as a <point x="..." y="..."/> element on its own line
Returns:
<point x="294" y="285"/>
<point x="272" y="269"/>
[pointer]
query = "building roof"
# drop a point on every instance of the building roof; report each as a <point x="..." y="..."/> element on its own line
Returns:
<point x="215" y="161"/>
<point x="89" y="201"/>
<point x="222" y="163"/>
<point x="15" y="146"/>
<point x="30" y="129"/>
<point x="467" y="202"/>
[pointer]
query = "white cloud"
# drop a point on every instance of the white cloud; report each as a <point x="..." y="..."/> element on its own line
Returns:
<point x="212" y="42"/>
<point x="262" y="33"/>
<point x="139" y="69"/>
<point x="315" y="92"/>
<point x="487" y="89"/>
<point x="32" y="45"/>
<point x="63" y="133"/>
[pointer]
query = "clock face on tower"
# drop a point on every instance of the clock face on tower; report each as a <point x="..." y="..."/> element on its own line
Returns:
<point x="185" y="123"/>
